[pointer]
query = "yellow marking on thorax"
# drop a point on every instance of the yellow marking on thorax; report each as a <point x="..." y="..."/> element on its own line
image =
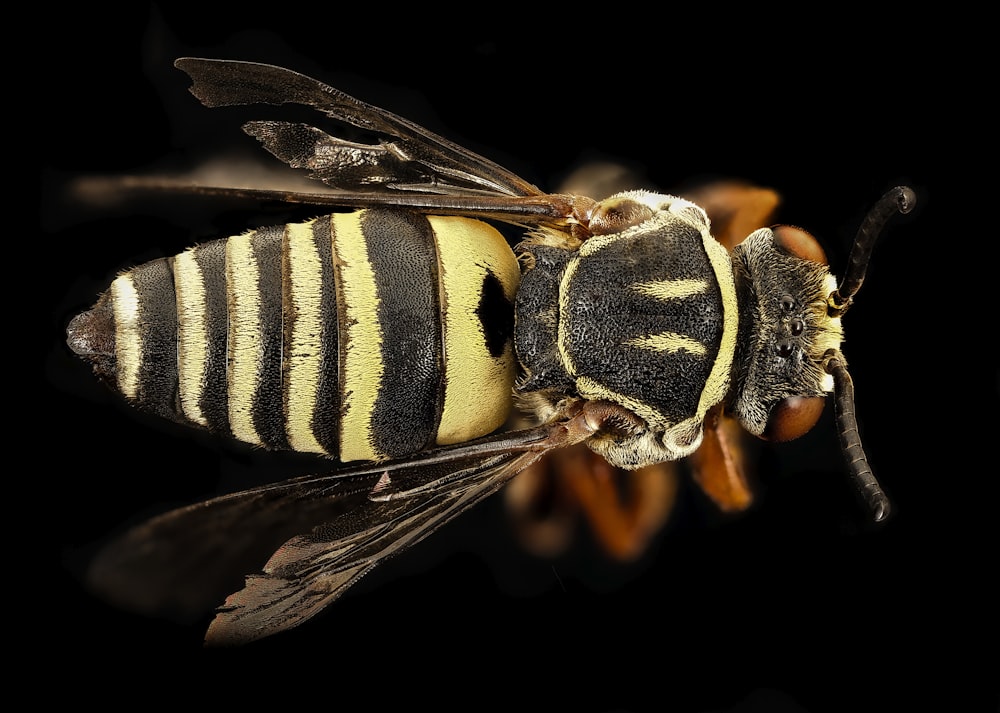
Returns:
<point x="244" y="352"/>
<point x="665" y="290"/>
<point x="192" y="334"/>
<point x="361" y="374"/>
<point x="594" y="390"/>
<point x="718" y="381"/>
<point x="670" y="289"/>
<point x="669" y="342"/>
<point x="303" y="353"/>
<point x="599" y="242"/>
<point x="478" y="387"/>
<point x="561" y="335"/>
<point x="128" y="340"/>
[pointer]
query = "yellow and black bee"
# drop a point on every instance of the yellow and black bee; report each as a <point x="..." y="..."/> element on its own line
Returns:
<point x="400" y="334"/>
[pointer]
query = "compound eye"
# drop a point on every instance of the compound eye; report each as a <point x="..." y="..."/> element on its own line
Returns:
<point x="614" y="214"/>
<point x="792" y="417"/>
<point x="799" y="243"/>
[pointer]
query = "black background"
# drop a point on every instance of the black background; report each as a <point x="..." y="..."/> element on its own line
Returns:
<point x="797" y="605"/>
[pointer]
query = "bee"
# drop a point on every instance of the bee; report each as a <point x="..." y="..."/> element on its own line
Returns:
<point x="396" y="333"/>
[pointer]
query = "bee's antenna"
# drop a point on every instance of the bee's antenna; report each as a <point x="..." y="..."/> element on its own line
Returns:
<point x="850" y="439"/>
<point x="900" y="199"/>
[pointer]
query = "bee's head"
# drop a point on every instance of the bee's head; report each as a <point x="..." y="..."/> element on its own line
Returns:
<point x="790" y="334"/>
<point x="783" y="288"/>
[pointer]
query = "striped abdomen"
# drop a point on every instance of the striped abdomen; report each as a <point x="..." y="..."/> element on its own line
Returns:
<point x="364" y="335"/>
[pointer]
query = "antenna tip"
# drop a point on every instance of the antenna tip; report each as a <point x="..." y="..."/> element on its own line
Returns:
<point x="905" y="199"/>
<point x="880" y="508"/>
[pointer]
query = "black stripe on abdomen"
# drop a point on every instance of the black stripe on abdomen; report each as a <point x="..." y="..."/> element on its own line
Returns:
<point x="214" y="399"/>
<point x="403" y="258"/>
<point x="267" y="411"/>
<point x="326" y="413"/>
<point x="155" y="336"/>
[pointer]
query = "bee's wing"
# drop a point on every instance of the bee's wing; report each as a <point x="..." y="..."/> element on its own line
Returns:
<point x="405" y="165"/>
<point x="324" y="532"/>
<point x="310" y="571"/>
<point x="405" y="157"/>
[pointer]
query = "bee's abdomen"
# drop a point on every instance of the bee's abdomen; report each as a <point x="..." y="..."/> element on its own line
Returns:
<point x="364" y="335"/>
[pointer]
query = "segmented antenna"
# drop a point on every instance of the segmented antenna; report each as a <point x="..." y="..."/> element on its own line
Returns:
<point x="900" y="199"/>
<point x="850" y="438"/>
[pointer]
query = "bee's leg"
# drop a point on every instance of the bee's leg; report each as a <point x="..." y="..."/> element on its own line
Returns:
<point x="719" y="464"/>
<point x="735" y="208"/>
<point x="624" y="509"/>
<point x="542" y="514"/>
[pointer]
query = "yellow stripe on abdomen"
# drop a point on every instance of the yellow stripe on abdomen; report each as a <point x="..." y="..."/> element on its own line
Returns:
<point x="244" y="353"/>
<point x="303" y="353"/>
<point x="478" y="386"/>
<point x="128" y="339"/>
<point x="361" y="371"/>
<point x="192" y="335"/>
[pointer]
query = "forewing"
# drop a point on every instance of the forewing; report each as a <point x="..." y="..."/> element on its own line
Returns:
<point x="321" y="533"/>
<point x="308" y="572"/>
<point x="184" y="562"/>
<point x="404" y="157"/>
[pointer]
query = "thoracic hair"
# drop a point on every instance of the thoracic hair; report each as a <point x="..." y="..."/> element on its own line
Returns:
<point x="774" y="289"/>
